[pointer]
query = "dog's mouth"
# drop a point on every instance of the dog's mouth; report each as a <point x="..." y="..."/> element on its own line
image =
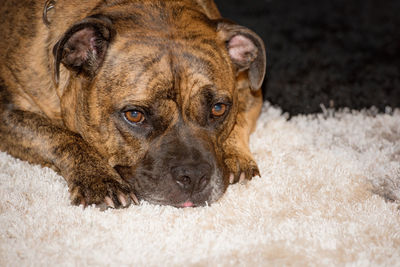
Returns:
<point x="166" y="189"/>
<point x="188" y="204"/>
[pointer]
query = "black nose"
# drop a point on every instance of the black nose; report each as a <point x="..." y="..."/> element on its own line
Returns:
<point x="192" y="177"/>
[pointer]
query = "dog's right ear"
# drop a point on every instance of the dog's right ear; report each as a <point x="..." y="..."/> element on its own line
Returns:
<point x="82" y="48"/>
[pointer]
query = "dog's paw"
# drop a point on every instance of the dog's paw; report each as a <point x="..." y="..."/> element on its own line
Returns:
<point x="105" y="189"/>
<point x="241" y="167"/>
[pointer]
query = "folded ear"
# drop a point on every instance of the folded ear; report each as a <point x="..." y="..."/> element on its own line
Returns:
<point x="82" y="48"/>
<point x="246" y="50"/>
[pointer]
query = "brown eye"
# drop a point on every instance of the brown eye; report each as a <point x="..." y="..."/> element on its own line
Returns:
<point x="134" y="116"/>
<point x="218" y="110"/>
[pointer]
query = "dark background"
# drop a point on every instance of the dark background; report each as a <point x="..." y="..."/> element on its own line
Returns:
<point x="339" y="53"/>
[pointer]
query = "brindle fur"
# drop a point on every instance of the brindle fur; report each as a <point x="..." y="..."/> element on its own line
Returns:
<point x="168" y="57"/>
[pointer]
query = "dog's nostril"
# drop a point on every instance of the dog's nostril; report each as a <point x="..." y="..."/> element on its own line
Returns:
<point x="191" y="177"/>
<point x="184" y="181"/>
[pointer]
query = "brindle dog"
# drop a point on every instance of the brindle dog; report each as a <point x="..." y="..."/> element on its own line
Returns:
<point x="130" y="99"/>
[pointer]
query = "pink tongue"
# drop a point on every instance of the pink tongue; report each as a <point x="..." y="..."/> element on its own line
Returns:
<point x="187" y="204"/>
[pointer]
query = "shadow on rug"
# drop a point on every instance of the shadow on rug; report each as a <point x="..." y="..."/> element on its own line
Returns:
<point x="337" y="53"/>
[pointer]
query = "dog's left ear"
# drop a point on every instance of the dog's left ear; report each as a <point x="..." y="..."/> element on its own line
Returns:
<point x="82" y="48"/>
<point x="246" y="50"/>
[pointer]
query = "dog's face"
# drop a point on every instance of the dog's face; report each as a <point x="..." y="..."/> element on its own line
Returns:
<point x="158" y="98"/>
<point x="169" y="115"/>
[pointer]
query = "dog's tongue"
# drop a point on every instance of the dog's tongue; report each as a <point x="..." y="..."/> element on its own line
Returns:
<point x="187" y="204"/>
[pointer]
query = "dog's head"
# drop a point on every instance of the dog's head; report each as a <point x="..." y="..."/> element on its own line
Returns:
<point x="153" y="88"/>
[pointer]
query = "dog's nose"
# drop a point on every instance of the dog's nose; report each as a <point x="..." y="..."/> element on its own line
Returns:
<point x="192" y="177"/>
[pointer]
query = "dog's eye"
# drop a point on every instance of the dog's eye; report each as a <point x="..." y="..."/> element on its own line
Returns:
<point x="134" y="116"/>
<point x="218" y="110"/>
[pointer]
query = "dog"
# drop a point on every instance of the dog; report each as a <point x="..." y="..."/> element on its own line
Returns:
<point x="131" y="100"/>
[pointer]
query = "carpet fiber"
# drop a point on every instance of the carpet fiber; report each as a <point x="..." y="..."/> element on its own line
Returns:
<point x="313" y="205"/>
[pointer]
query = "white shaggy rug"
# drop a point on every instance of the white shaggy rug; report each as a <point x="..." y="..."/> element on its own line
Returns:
<point x="312" y="206"/>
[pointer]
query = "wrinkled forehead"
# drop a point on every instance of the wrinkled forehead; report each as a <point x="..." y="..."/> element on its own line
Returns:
<point x="168" y="49"/>
<point x="176" y="69"/>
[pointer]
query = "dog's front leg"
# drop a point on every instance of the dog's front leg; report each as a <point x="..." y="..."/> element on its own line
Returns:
<point x="91" y="180"/>
<point x="237" y="156"/>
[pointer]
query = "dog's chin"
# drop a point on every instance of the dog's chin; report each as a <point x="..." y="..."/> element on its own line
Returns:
<point x="189" y="202"/>
<point x="183" y="204"/>
<point x="149" y="190"/>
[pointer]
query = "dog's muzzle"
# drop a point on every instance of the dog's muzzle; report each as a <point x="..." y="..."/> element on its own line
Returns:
<point x="181" y="170"/>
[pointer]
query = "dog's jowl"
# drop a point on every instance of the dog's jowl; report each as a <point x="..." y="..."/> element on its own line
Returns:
<point x="130" y="100"/>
